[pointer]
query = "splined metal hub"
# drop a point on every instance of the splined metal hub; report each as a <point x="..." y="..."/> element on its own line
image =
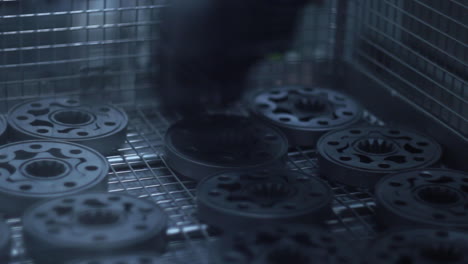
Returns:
<point x="433" y="197"/>
<point x="419" y="246"/>
<point x="5" y="242"/>
<point x="41" y="169"/>
<point x="360" y="156"/>
<point x="284" y="244"/>
<point x="201" y="147"/>
<point x="102" y="127"/>
<point x="3" y="129"/>
<point x="89" y="225"/>
<point x="303" y="113"/>
<point x="235" y="200"/>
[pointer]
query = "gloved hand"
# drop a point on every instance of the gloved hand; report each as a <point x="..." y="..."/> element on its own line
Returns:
<point x="207" y="47"/>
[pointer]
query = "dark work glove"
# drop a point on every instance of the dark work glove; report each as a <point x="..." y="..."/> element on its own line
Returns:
<point x="207" y="47"/>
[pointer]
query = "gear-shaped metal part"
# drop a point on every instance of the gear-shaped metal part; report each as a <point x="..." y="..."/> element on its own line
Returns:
<point x="360" y="156"/>
<point x="102" y="127"/>
<point x="201" y="147"/>
<point x="236" y="200"/>
<point x="284" y="244"/>
<point x="5" y="242"/>
<point x="304" y="113"/>
<point x="419" y="246"/>
<point x="90" y="225"/>
<point x="41" y="169"/>
<point x="3" y="129"/>
<point x="432" y="197"/>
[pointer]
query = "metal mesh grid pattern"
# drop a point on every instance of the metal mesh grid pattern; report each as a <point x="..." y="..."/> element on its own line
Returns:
<point x="414" y="47"/>
<point x="73" y="46"/>
<point x="139" y="169"/>
<point x="419" y="49"/>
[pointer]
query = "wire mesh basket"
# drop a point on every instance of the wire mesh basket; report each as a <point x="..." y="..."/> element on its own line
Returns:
<point x="415" y="48"/>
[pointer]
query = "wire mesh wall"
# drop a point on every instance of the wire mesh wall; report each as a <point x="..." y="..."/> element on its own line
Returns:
<point x="418" y="48"/>
<point x="73" y="46"/>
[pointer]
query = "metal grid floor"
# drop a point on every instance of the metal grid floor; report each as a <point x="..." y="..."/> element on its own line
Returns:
<point x="139" y="169"/>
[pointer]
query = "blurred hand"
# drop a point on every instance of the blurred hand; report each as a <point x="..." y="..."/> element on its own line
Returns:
<point x="207" y="47"/>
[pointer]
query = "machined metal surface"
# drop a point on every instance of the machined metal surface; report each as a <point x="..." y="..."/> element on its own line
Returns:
<point x="432" y="197"/>
<point x="419" y="246"/>
<point x="87" y="225"/>
<point x="203" y="146"/>
<point x="102" y="127"/>
<point x="304" y="113"/>
<point x="39" y="169"/>
<point x="284" y="244"/>
<point x="360" y="156"/>
<point x="238" y="200"/>
<point x="5" y="242"/>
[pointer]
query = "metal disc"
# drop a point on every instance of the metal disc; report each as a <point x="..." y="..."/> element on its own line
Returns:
<point x="360" y="156"/>
<point x="437" y="197"/>
<point x="420" y="246"/>
<point x="304" y="113"/>
<point x="90" y="225"/>
<point x="125" y="259"/>
<point x="235" y="200"/>
<point x="40" y="169"/>
<point x="283" y="245"/>
<point x="3" y="129"/>
<point x="201" y="147"/>
<point x="5" y="242"/>
<point x="102" y="127"/>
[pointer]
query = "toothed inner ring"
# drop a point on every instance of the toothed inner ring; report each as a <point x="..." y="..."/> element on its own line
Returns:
<point x="438" y="195"/>
<point x="442" y="253"/>
<point x="376" y="146"/>
<point x="98" y="218"/>
<point x="270" y="190"/>
<point x="311" y="104"/>
<point x="287" y="255"/>
<point x="72" y="117"/>
<point x="46" y="168"/>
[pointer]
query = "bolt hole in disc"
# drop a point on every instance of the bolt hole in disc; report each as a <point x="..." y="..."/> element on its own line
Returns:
<point x="281" y="244"/>
<point x="304" y="114"/>
<point x="360" y="156"/>
<point x="102" y="127"/>
<point x="236" y="200"/>
<point x="419" y="246"/>
<point x="92" y="225"/>
<point x="209" y="144"/>
<point x="3" y="128"/>
<point x="42" y="169"/>
<point x="432" y="197"/>
<point x="5" y="243"/>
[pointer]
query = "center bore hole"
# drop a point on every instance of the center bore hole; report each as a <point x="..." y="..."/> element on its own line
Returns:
<point x="98" y="218"/>
<point x="442" y="253"/>
<point x="270" y="190"/>
<point x="376" y="146"/>
<point x="438" y="195"/>
<point x="45" y="168"/>
<point x="312" y="104"/>
<point x="73" y="117"/>
<point x="233" y="138"/>
<point x="287" y="255"/>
